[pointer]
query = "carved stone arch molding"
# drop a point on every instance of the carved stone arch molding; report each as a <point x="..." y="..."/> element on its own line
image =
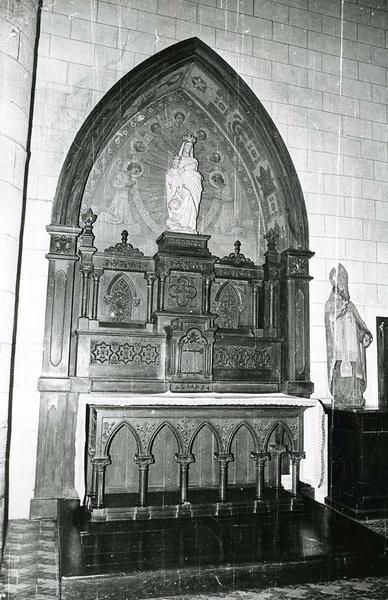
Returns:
<point x="135" y="130"/>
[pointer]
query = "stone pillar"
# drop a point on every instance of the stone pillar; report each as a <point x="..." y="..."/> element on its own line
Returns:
<point x="260" y="459"/>
<point x="96" y="276"/>
<point x="100" y="465"/>
<point x="295" y="458"/>
<point x="277" y="451"/>
<point x="18" y="25"/>
<point x="223" y="463"/>
<point x="150" y="277"/>
<point x="295" y="327"/>
<point x="143" y="461"/>
<point x="162" y="290"/>
<point x="208" y="279"/>
<point x="184" y="461"/>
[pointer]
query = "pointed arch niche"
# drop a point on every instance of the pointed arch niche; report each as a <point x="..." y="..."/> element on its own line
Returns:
<point x="116" y="166"/>
<point x="126" y="145"/>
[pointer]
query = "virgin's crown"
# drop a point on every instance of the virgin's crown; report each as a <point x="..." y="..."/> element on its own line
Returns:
<point x="189" y="137"/>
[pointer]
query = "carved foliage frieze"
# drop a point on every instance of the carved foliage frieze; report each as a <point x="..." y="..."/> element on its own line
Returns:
<point x="128" y="265"/>
<point x="124" y="353"/>
<point x="185" y="428"/>
<point x="293" y="426"/>
<point x="187" y="264"/>
<point x="145" y="429"/>
<point x="232" y="273"/>
<point x="108" y="426"/>
<point x="190" y="387"/>
<point x="262" y="428"/>
<point x="242" y="357"/>
<point x="225" y="427"/>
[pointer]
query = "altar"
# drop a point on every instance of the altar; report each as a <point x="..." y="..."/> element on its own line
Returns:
<point x="176" y="384"/>
<point x="176" y="352"/>
<point x="182" y="444"/>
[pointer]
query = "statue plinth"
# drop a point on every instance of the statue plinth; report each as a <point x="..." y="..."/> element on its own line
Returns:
<point x="184" y="244"/>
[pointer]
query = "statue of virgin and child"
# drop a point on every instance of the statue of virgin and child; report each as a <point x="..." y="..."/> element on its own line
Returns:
<point x="184" y="189"/>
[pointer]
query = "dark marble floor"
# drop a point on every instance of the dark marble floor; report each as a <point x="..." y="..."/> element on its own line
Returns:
<point x="31" y="572"/>
<point x="370" y="588"/>
<point x="149" y="558"/>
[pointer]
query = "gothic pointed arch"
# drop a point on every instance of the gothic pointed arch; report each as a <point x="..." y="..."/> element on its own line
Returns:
<point x="126" y="143"/>
<point x="120" y="298"/>
<point x="228" y="304"/>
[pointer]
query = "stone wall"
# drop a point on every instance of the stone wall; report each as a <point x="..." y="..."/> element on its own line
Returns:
<point x="322" y="80"/>
<point x="17" y="39"/>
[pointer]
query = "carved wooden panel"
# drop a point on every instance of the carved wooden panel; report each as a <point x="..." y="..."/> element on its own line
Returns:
<point x="193" y="348"/>
<point x="120" y="475"/>
<point x="204" y="471"/>
<point x="132" y="356"/>
<point x="120" y="432"/>
<point x="228" y="305"/>
<point x="120" y="300"/>
<point x="164" y="472"/>
<point x="183" y="293"/>
<point x="242" y="468"/>
<point x="299" y="332"/>
<point x="115" y="353"/>
<point x="58" y="317"/>
<point x="233" y="356"/>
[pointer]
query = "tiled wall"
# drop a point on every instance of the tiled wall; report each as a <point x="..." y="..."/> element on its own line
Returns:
<point x="322" y="80"/>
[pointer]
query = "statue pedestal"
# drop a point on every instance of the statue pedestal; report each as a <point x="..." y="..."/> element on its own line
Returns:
<point x="186" y="244"/>
<point x="358" y="447"/>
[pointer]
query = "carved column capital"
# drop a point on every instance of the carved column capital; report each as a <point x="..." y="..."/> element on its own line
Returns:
<point x="184" y="459"/>
<point x="143" y="461"/>
<point x="101" y="462"/>
<point x="150" y="277"/>
<point x="260" y="458"/>
<point x="97" y="273"/>
<point x="223" y="459"/>
<point x="86" y="269"/>
<point x="296" y="457"/>
<point x="255" y="285"/>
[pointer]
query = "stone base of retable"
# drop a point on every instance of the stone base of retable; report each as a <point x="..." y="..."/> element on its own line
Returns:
<point x="153" y="558"/>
